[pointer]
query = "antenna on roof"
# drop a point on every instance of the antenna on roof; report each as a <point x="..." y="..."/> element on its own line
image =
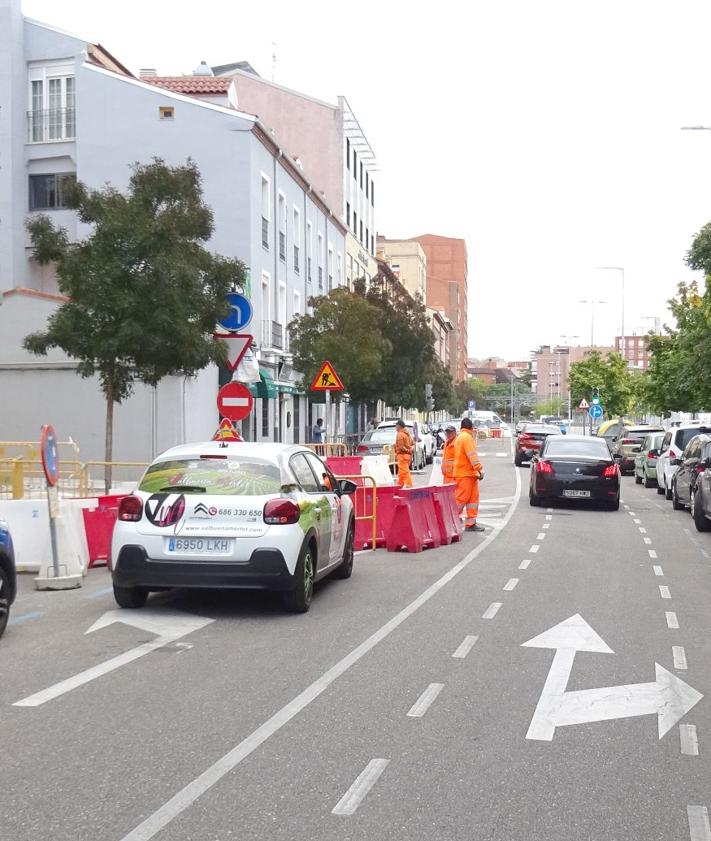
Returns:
<point x="274" y="59"/>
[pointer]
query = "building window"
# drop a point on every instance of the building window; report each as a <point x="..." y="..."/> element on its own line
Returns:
<point x="266" y="212"/>
<point x="372" y="244"/>
<point x="282" y="227"/>
<point x="52" y="114"/>
<point x="309" y="249"/>
<point x="367" y="238"/>
<point x="319" y="257"/>
<point x="361" y="175"/>
<point x="266" y="297"/>
<point x="372" y="194"/>
<point x="355" y="223"/>
<point x="46" y="191"/>
<point x="166" y="112"/>
<point x="355" y="164"/>
<point x="348" y="214"/>
<point x="348" y="153"/>
<point x="361" y="231"/>
<point x="265" y="418"/>
<point x="339" y="269"/>
<point x="367" y="185"/>
<point x="330" y="267"/>
<point x="297" y="241"/>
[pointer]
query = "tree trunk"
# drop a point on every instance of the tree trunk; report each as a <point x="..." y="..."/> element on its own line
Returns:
<point x="109" y="440"/>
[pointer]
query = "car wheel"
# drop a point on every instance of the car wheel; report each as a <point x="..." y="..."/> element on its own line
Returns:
<point x="518" y="460"/>
<point x="4" y="600"/>
<point x="345" y="568"/>
<point x="676" y="505"/>
<point x="667" y="492"/>
<point x="648" y="483"/>
<point x="697" y="512"/>
<point x="298" y="599"/>
<point x="637" y="478"/>
<point x="660" y="488"/>
<point x="130" y="597"/>
<point x="430" y="458"/>
<point x="533" y="500"/>
<point x="614" y="505"/>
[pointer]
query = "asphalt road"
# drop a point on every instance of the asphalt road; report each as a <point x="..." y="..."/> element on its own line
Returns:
<point x="404" y="705"/>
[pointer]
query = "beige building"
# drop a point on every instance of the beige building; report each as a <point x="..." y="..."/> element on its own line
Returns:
<point x="551" y="369"/>
<point x="441" y="327"/>
<point x="407" y="261"/>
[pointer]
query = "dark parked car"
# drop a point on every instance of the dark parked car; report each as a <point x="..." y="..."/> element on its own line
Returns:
<point x="691" y="483"/>
<point x="575" y="467"/>
<point x="529" y="441"/>
<point x="8" y="580"/>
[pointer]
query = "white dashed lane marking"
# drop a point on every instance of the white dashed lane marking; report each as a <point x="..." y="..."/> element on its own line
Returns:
<point x="647" y="540"/>
<point x="541" y="535"/>
<point x="672" y="621"/>
<point x="524" y="563"/>
<point x="658" y="570"/>
<point x="465" y="647"/>
<point x="679" y="655"/>
<point x="511" y="583"/>
<point x="699" y="827"/>
<point x="492" y="610"/>
<point x="533" y="549"/>
<point x="688" y="740"/>
<point x="642" y="530"/>
<point x="652" y="553"/>
<point x="355" y="795"/>
<point x="425" y="701"/>
<point x="664" y="591"/>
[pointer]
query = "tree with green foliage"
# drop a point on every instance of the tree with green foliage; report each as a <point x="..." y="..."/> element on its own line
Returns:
<point x="610" y="374"/>
<point x="144" y="292"/>
<point x="462" y="392"/>
<point x="556" y="406"/>
<point x="347" y="330"/>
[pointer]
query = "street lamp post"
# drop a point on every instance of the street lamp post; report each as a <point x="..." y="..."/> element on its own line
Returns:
<point x="592" y="317"/>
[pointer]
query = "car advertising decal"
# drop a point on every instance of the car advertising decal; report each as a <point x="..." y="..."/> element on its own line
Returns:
<point x="165" y="509"/>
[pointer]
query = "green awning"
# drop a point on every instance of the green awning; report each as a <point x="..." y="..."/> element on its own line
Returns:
<point x="266" y="388"/>
<point x="287" y="388"/>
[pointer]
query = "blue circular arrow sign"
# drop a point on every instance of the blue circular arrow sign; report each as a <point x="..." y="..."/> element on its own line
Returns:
<point x="595" y="411"/>
<point x="240" y="313"/>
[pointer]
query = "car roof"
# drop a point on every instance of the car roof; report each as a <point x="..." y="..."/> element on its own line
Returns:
<point x="703" y="427"/>
<point x="263" y="450"/>
<point x="644" y="428"/>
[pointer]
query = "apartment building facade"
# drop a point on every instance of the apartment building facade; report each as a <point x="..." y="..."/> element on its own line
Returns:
<point x="328" y="142"/>
<point x="72" y="110"/>
<point x="551" y="368"/>
<point x="447" y="283"/>
<point x="633" y="350"/>
<point x="407" y="261"/>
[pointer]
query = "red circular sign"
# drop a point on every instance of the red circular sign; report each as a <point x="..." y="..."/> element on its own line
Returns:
<point x="234" y="401"/>
<point x="50" y="456"/>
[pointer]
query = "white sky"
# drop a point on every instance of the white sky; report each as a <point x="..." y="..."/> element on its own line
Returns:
<point x="544" y="132"/>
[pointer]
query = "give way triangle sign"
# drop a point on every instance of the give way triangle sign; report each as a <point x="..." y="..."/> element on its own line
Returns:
<point x="237" y="345"/>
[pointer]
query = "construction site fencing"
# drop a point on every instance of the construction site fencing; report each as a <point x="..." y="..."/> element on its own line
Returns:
<point x="365" y="484"/>
<point x="23" y="478"/>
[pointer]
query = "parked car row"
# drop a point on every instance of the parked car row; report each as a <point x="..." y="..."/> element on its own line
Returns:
<point x="678" y="462"/>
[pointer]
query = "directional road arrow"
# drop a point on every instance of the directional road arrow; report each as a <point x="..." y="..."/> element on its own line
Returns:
<point x="168" y="625"/>
<point x="667" y="697"/>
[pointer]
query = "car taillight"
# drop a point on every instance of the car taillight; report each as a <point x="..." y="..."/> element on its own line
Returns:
<point x="610" y="471"/>
<point x="130" y="509"/>
<point x="672" y="454"/>
<point x="700" y="468"/>
<point x="651" y="455"/>
<point x="628" y="441"/>
<point x="544" y="467"/>
<point x="362" y="448"/>
<point x="281" y="512"/>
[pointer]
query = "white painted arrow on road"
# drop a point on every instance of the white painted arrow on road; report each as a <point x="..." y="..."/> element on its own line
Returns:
<point x="168" y="625"/>
<point x="667" y="697"/>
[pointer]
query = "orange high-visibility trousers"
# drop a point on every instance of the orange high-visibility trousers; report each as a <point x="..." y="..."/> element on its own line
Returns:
<point x="404" y="477"/>
<point x="467" y="497"/>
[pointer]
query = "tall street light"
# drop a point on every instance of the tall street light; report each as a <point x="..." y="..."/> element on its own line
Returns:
<point x="592" y="317"/>
<point x="618" y="269"/>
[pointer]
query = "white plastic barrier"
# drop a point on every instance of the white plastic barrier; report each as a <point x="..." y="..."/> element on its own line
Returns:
<point x="28" y="520"/>
<point x="436" y="477"/>
<point x="377" y="468"/>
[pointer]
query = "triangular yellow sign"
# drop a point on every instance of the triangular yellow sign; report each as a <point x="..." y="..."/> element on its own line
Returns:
<point x="226" y="432"/>
<point x="327" y="379"/>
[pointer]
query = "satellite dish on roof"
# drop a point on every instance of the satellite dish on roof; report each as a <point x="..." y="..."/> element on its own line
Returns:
<point x="203" y="70"/>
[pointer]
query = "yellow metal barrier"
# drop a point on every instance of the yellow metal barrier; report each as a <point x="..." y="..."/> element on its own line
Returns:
<point x="31" y="450"/>
<point x="86" y="485"/>
<point x="22" y="478"/>
<point x="325" y="450"/>
<point x="373" y="515"/>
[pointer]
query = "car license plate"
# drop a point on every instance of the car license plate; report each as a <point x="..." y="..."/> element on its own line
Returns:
<point x="199" y="545"/>
<point x="577" y="494"/>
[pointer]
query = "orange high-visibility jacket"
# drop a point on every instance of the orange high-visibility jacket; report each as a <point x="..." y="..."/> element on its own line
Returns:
<point x="448" y="459"/>
<point x="403" y="442"/>
<point x="466" y="458"/>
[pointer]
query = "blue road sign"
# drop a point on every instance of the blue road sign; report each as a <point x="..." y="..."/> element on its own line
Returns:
<point x="472" y="404"/>
<point x="595" y="411"/>
<point x="240" y="313"/>
<point x="50" y="457"/>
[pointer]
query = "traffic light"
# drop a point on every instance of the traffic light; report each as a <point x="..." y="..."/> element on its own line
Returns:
<point x="428" y="391"/>
<point x="596" y="395"/>
<point x="430" y="403"/>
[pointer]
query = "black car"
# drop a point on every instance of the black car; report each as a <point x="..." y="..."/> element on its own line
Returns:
<point x="8" y="580"/>
<point x="575" y="467"/>
<point x="691" y="484"/>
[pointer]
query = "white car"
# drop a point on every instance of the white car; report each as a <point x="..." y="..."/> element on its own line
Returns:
<point x="233" y="515"/>
<point x="672" y="447"/>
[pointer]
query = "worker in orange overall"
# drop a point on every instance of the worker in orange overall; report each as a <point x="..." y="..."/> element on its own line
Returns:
<point x="404" y="446"/>
<point x="467" y="473"/>
<point x="450" y="434"/>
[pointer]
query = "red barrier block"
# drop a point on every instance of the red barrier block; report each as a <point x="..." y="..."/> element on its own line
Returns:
<point x="345" y="466"/>
<point x="384" y="514"/>
<point x="447" y="511"/>
<point x="414" y="524"/>
<point x="99" y="527"/>
<point x="496" y="432"/>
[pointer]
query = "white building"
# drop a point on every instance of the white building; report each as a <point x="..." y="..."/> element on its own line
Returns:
<point x="70" y="108"/>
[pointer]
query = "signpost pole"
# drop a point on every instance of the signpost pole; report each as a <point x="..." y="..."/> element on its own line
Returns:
<point x="51" y="504"/>
<point x="328" y="416"/>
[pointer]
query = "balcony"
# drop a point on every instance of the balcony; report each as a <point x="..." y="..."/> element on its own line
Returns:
<point x="297" y="268"/>
<point x="272" y="335"/>
<point x="54" y="124"/>
<point x="265" y="233"/>
<point x="282" y="246"/>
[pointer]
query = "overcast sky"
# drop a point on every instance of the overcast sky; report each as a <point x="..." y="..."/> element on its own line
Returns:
<point x="544" y="132"/>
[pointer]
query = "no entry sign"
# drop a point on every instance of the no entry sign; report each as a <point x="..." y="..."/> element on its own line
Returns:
<point x="234" y="401"/>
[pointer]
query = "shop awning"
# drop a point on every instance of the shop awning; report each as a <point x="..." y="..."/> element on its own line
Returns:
<point x="266" y="388"/>
<point x="287" y="388"/>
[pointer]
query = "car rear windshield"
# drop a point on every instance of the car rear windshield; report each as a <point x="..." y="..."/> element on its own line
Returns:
<point x="238" y="477"/>
<point x="683" y="436"/>
<point x="562" y="446"/>
<point x="381" y="436"/>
